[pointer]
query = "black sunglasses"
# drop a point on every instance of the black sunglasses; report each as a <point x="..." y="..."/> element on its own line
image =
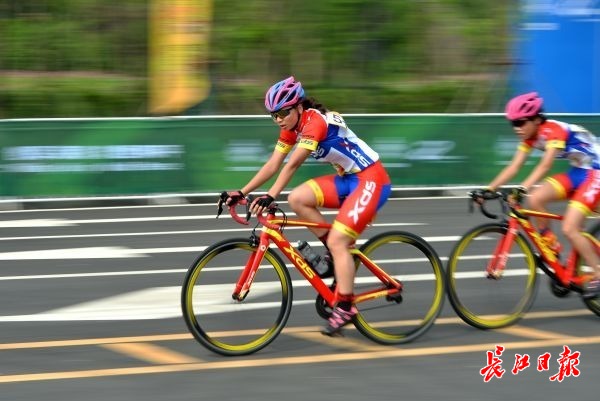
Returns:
<point x="519" y="123"/>
<point x="281" y="113"/>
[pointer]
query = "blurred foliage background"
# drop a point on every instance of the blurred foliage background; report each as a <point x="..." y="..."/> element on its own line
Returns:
<point x="89" y="58"/>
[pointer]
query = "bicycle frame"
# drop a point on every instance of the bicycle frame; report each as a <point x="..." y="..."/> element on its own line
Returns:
<point x="518" y="217"/>
<point x="272" y="232"/>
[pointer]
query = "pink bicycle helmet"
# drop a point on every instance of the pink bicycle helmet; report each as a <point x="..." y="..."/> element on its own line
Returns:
<point x="524" y="106"/>
<point x="283" y="94"/>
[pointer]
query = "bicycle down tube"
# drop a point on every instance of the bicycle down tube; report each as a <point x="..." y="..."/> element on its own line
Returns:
<point x="270" y="233"/>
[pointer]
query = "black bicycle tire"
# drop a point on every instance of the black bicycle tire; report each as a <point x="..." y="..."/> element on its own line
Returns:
<point x="376" y="335"/>
<point x="530" y="292"/>
<point x="593" y="304"/>
<point x="190" y="317"/>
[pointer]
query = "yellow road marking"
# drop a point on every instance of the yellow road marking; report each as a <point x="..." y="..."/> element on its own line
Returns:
<point x="95" y="341"/>
<point x="389" y="352"/>
<point x="150" y="353"/>
<point x="340" y="342"/>
<point x="533" y="333"/>
<point x="287" y="330"/>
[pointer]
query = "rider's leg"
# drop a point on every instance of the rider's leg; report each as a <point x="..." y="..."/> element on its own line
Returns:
<point x="304" y="200"/>
<point x="572" y="225"/>
<point x="339" y="244"/>
<point x="548" y="191"/>
<point x="583" y="202"/>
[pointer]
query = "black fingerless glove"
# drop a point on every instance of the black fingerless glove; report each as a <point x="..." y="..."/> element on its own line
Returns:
<point x="264" y="201"/>
<point x="231" y="198"/>
<point x="482" y="193"/>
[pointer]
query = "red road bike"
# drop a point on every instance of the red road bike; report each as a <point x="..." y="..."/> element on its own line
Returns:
<point x="492" y="271"/>
<point x="237" y="295"/>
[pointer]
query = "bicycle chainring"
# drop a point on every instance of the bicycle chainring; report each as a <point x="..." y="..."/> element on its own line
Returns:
<point x="558" y="290"/>
<point x="323" y="309"/>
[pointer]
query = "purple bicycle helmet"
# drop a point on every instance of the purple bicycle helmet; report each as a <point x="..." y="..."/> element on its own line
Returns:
<point x="283" y="94"/>
<point x="524" y="106"/>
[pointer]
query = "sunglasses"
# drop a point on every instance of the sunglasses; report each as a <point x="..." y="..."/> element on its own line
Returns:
<point x="281" y="113"/>
<point x="519" y="123"/>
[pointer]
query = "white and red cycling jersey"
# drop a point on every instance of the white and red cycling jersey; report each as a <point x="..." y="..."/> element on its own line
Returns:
<point x="581" y="183"/>
<point x="361" y="185"/>
<point x="330" y="140"/>
<point x="577" y="144"/>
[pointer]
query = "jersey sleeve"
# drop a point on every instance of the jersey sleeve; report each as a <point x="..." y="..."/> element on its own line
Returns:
<point x="286" y="141"/>
<point x="525" y="146"/>
<point x="313" y="132"/>
<point x="556" y="136"/>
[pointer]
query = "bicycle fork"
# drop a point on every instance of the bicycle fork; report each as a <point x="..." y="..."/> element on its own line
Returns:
<point x="242" y="287"/>
<point x="497" y="264"/>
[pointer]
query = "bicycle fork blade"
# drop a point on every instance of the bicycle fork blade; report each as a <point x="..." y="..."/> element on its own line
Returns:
<point x="496" y="266"/>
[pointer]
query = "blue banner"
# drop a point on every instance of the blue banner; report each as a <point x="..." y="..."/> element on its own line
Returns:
<point x="557" y="54"/>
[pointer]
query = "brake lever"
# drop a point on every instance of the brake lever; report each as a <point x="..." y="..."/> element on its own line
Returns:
<point x="248" y="213"/>
<point x="219" y="208"/>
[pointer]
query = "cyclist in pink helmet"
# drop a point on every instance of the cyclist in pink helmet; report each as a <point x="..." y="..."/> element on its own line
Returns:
<point x="580" y="184"/>
<point x="286" y="93"/>
<point x="524" y="106"/>
<point x="307" y="128"/>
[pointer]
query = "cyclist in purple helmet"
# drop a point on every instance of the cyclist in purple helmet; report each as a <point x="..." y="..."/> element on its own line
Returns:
<point x="360" y="187"/>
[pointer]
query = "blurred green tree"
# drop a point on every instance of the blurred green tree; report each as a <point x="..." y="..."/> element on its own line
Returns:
<point x="355" y="56"/>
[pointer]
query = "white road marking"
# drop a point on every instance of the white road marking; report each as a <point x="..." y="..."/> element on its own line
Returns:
<point x="36" y="223"/>
<point x="164" y="302"/>
<point x="73" y="253"/>
<point x="124" y="252"/>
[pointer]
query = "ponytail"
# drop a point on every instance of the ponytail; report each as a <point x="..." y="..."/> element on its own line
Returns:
<point x="311" y="103"/>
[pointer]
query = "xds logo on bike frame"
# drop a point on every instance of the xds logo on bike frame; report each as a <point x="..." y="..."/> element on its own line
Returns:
<point x="548" y="253"/>
<point x="363" y="201"/>
<point x="300" y="262"/>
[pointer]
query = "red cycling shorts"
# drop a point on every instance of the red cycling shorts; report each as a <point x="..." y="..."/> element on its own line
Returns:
<point x="581" y="186"/>
<point x="358" y="197"/>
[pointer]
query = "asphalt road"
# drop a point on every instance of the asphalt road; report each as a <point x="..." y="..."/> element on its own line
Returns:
<point x="89" y="309"/>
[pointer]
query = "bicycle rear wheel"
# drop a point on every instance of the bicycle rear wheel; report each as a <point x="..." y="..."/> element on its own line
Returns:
<point x="484" y="302"/>
<point x="227" y="326"/>
<point x="413" y="262"/>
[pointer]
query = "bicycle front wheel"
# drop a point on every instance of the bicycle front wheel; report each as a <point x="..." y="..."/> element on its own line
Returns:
<point x="490" y="303"/>
<point x="413" y="262"/>
<point x="227" y="326"/>
<point x="594" y="303"/>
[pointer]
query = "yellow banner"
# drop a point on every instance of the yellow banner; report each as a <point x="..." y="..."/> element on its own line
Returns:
<point x="179" y="53"/>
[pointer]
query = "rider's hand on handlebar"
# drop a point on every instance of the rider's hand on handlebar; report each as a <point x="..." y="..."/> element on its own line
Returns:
<point x="231" y="198"/>
<point x="261" y="203"/>
<point x="480" y="195"/>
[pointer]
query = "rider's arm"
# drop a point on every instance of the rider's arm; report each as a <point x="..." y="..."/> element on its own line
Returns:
<point x="542" y="168"/>
<point x="268" y="170"/>
<point x="511" y="170"/>
<point x="287" y="172"/>
<point x="314" y="131"/>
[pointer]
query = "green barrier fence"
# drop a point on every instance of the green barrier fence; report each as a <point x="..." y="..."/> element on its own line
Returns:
<point x="89" y="157"/>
